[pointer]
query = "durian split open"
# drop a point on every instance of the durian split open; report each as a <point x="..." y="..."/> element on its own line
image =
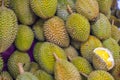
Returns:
<point x="106" y="56"/>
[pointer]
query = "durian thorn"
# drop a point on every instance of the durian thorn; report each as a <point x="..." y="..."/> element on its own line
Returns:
<point x="84" y="74"/>
<point x="56" y="57"/>
<point x="113" y="22"/>
<point x="69" y="9"/>
<point x="69" y="58"/>
<point x="2" y="3"/>
<point x="20" y="66"/>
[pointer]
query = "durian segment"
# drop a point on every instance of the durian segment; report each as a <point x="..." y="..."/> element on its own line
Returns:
<point x="55" y="32"/>
<point x="78" y="27"/>
<point x="116" y="70"/>
<point x="15" y="58"/>
<point x="88" y="8"/>
<point x="102" y="27"/>
<point x="24" y="38"/>
<point x="6" y="3"/>
<point x="100" y="75"/>
<point x="46" y="58"/>
<point x="38" y="30"/>
<point x="103" y="59"/>
<point x="71" y="52"/>
<point x="115" y="33"/>
<point x="104" y="6"/>
<point x="8" y="28"/>
<point x="5" y="76"/>
<point x="44" y="8"/>
<point x="1" y="63"/>
<point x="42" y="75"/>
<point x="64" y="70"/>
<point x="23" y="11"/>
<point x="113" y="46"/>
<point x="83" y="66"/>
<point x="87" y="47"/>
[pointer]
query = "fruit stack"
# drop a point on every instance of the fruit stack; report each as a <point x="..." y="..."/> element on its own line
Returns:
<point x="59" y="40"/>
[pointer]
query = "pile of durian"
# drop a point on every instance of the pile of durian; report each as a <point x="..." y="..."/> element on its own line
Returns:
<point x="73" y="39"/>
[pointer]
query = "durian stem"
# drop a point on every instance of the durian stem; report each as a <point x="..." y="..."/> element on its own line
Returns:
<point x="69" y="58"/>
<point x="56" y="57"/>
<point x="2" y="3"/>
<point x="20" y="66"/>
<point x="113" y="22"/>
<point x="84" y="74"/>
<point x="69" y="9"/>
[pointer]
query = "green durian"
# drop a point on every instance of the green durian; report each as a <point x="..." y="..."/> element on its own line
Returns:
<point x="100" y="75"/>
<point x="36" y="50"/>
<point x="64" y="70"/>
<point x="113" y="46"/>
<point x="104" y="6"/>
<point x="34" y="67"/>
<point x="83" y="66"/>
<point x="8" y="27"/>
<point x="5" y="76"/>
<point x="115" y="33"/>
<point x="44" y="8"/>
<point x="25" y="75"/>
<point x="15" y="58"/>
<point x="87" y="47"/>
<point x="116" y="70"/>
<point x="55" y="32"/>
<point x="42" y="75"/>
<point x="23" y="11"/>
<point x="71" y="52"/>
<point x="24" y="38"/>
<point x="46" y="58"/>
<point x="78" y="27"/>
<point x="38" y="30"/>
<point x="88" y="8"/>
<point x="102" y="27"/>
<point x="1" y="63"/>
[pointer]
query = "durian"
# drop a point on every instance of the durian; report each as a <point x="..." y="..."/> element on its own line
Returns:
<point x="5" y="76"/>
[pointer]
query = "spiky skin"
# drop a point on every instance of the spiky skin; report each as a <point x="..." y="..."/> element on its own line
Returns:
<point x="1" y="63"/>
<point x="55" y="32"/>
<point x="24" y="38"/>
<point x="42" y="75"/>
<point x="44" y="8"/>
<point x="88" y="8"/>
<point x="65" y="70"/>
<point x="78" y="27"/>
<point x="71" y="52"/>
<point x="8" y="28"/>
<point x="37" y="50"/>
<point x="23" y="11"/>
<point x="26" y="76"/>
<point x="113" y="46"/>
<point x="6" y="3"/>
<point x="15" y="58"/>
<point x="5" y="76"/>
<point x="38" y="30"/>
<point x="116" y="70"/>
<point x="115" y="33"/>
<point x="104" y="6"/>
<point x="46" y="57"/>
<point x="82" y="65"/>
<point x="100" y="75"/>
<point x="102" y="27"/>
<point x="34" y="67"/>
<point x="88" y="47"/>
